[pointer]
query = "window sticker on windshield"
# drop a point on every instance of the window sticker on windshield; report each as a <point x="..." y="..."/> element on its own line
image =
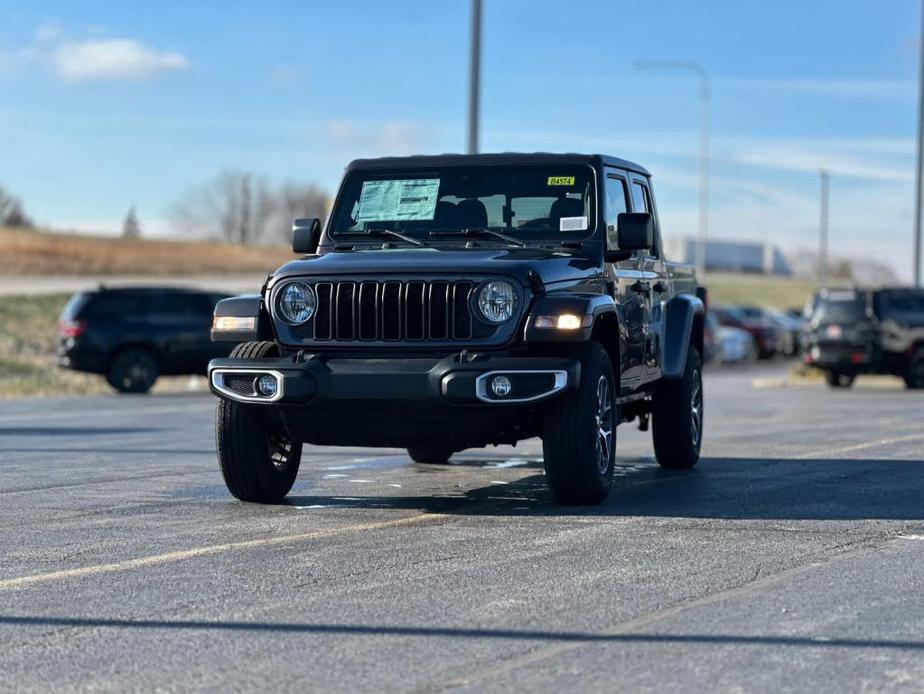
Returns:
<point x="561" y="181"/>
<point x="572" y="224"/>
<point x="398" y="200"/>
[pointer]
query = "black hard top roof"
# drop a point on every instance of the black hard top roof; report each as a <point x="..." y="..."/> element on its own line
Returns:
<point x="437" y="160"/>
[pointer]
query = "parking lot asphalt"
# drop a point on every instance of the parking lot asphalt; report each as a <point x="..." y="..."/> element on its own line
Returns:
<point x="789" y="559"/>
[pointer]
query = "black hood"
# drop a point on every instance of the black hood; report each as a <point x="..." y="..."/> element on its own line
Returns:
<point x="551" y="266"/>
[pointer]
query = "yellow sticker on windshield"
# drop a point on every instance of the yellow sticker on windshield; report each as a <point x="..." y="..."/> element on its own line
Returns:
<point x="561" y="181"/>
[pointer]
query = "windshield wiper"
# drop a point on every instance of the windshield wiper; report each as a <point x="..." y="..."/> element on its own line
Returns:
<point x="481" y="232"/>
<point x="386" y="232"/>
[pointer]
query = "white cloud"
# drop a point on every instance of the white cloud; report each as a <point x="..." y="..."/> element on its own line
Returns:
<point x="113" y="59"/>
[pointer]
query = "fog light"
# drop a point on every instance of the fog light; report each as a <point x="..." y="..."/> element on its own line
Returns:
<point x="501" y="386"/>
<point x="265" y="385"/>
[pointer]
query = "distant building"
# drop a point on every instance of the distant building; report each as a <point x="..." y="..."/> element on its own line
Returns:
<point x="731" y="256"/>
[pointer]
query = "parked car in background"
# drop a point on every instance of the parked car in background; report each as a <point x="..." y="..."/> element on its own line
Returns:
<point x="738" y="346"/>
<point x="767" y="336"/>
<point x="133" y="335"/>
<point x="792" y="329"/>
<point x="860" y="331"/>
<point x="712" y="345"/>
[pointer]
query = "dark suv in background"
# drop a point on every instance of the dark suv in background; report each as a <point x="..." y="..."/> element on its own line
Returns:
<point x="133" y="335"/>
<point x="867" y="331"/>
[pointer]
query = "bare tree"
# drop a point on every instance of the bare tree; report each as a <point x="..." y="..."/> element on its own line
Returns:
<point x="293" y="201"/>
<point x="131" y="227"/>
<point x="234" y="206"/>
<point x="11" y="211"/>
<point x="241" y="208"/>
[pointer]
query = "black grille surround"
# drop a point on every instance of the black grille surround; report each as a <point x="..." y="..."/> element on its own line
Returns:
<point x="397" y="311"/>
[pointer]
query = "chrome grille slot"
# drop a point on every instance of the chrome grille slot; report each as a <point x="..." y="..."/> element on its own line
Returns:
<point x="401" y="310"/>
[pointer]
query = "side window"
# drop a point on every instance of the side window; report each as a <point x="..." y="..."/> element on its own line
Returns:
<point x="616" y="204"/>
<point x="640" y="201"/>
<point x="114" y="306"/>
<point x="172" y="304"/>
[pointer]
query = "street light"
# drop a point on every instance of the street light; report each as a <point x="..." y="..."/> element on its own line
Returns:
<point x="705" y="93"/>
<point x="920" y="161"/>
<point x="474" y="78"/>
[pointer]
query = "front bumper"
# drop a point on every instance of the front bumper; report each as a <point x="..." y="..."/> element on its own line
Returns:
<point x="419" y="383"/>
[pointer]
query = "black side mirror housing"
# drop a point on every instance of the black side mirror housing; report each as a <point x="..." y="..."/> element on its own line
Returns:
<point x="635" y="231"/>
<point x="306" y="235"/>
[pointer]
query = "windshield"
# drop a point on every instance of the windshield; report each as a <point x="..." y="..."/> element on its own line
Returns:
<point x="524" y="201"/>
<point x="840" y="307"/>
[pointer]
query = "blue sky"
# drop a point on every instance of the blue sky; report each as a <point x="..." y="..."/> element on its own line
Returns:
<point x="109" y="104"/>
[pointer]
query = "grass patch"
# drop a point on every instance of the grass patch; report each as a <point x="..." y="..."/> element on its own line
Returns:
<point x="33" y="252"/>
<point x="759" y="290"/>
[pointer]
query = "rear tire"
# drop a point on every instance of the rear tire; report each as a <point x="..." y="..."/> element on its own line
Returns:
<point x="133" y="370"/>
<point x="258" y="460"/>
<point x="914" y="372"/>
<point x="677" y="417"/>
<point x="579" y="435"/>
<point x="836" y="379"/>
<point x="428" y="455"/>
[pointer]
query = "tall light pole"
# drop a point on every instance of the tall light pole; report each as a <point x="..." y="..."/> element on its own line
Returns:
<point x="920" y="163"/>
<point x="823" y="229"/>
<point x="474" y="78"/>
<point x="705" y="95"/>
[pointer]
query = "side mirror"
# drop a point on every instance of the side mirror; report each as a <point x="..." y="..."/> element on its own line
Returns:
<point x="306" y="235"/>
<point x="635" y="231"/>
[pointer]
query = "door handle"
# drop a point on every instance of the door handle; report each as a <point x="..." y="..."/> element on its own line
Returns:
<point x="641" y="287"/>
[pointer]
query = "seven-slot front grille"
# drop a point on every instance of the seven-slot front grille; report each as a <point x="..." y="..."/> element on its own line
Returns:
<point x="393" y="311"/>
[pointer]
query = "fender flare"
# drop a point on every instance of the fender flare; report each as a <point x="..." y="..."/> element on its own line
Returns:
<point x="680" y="322"/>
<point x="588" y="306"/>
<point x="244" y="306"/>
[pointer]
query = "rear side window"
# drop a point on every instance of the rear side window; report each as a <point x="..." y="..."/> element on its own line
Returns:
<point x="903" y="302"/>
<point x="113" y="306"/>
<point x="74" y="306"/>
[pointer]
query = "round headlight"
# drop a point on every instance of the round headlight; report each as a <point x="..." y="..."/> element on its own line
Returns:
<point x="296" y="303"/>
<point x="497" y="301"/>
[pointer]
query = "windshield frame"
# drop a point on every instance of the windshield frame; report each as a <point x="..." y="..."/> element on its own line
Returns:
<point x="540" y="237"/>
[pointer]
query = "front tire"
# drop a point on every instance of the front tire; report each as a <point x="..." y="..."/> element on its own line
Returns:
<point x="837" y="379"/>
<point x="677" y="417"/>
<point x="429" y="455"/>
<point x="914" y="373"/>
<point x="258" y="460"/>
<point x="133" y="370"/>
<point x="579" y="435"/>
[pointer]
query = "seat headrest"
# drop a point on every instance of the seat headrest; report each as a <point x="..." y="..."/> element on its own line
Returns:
<point x="566" y="207"/>
<point x="446" y="215"/>
<point x="472" y="214"/>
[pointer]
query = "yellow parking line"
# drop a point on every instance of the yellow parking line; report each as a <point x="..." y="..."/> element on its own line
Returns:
<point x="195" y="552"/>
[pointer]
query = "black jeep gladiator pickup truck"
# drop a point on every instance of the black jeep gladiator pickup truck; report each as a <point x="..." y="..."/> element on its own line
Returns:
<point x="457" y="301"/>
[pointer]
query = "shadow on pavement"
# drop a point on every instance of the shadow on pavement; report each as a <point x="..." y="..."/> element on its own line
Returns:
<point x="718" y="488"/>
<point x="448" y="632"/>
